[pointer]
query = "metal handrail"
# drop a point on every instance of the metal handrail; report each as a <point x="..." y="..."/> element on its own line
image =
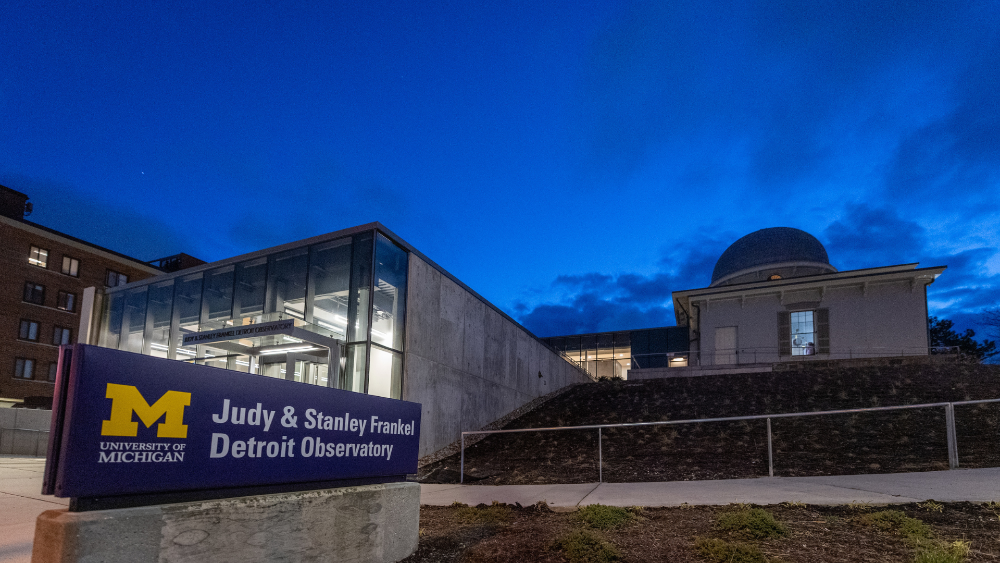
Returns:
<point x="949" y="421"/>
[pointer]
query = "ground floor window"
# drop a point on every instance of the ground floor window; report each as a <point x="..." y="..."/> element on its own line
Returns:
<point x="24" y="368"/>
<point x="803" y="333"/>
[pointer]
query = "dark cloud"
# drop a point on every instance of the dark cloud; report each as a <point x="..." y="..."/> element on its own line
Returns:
<point x="598" y="302"/>
<point x="864" y="237"/>
<point x="867" y="237"/>
<point x="958" y="154"/>
<point x="802" y="95"/>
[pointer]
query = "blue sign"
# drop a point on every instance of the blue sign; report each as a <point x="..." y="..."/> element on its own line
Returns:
<point x="135" y="424"/>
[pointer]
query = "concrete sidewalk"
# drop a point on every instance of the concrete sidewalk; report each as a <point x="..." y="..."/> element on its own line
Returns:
<point x="977" y="485"/>
<point x="20" y="503"/>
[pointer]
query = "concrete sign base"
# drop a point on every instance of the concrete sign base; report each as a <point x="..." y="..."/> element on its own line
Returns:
<point x="372" y="523"/>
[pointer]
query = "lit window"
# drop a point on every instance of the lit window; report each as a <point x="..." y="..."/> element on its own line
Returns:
<point x="114" y="279"/>
<point x="66" y="301"/>
<point x="34" y="293"/>
<point x="39" y="257"/>
<point x="803" y="334"/>
<point x="61" y="336"/>
<point x="71" y="266"/>
<point x="24" y="368"/>
<point x="774" y="277"/>
<point x="28" y="331"/>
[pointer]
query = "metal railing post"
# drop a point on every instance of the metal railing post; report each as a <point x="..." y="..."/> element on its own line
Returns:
<point x="770" y="453"/>
<point x="461" y="467"/>
<point x="600" y="458"/>
<point x="949" y="416"/>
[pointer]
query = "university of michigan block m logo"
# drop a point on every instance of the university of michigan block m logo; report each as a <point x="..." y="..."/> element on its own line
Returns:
<point x="126" y="399"/>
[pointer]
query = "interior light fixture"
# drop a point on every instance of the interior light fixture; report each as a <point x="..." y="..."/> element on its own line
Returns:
<point x="286" y="350"/>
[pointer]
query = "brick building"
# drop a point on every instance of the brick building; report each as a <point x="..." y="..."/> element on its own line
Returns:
<point x="44" y="274"/>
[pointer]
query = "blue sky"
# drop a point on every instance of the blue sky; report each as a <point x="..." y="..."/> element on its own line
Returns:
<point x="573" y="162"/>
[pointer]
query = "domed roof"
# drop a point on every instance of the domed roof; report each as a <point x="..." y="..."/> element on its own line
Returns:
<point x="775" y="245"/>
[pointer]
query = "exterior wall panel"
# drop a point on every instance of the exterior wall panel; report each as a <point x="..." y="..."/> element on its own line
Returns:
<point x="466" y="363"/>
<point x="884" y="319"/>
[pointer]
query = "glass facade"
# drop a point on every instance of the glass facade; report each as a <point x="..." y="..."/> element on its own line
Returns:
<point x="612" y="354"/>
<point x="352" y="289"/>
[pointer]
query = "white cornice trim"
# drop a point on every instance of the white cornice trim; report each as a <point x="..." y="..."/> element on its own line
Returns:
<point x="765" y="267"/>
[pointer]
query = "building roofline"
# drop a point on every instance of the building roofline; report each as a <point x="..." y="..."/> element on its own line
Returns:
<point x="809" y="278"/>
<point x="790" y="263"/>
<point x="373" y="226"/>
<point x="791" y="282"/>
<point x="21" y="223"/>
<point x="611" y="331"/>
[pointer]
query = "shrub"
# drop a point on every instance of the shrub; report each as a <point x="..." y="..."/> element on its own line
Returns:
<point x="943" y="553"/>
<point x="604" y="517"/>
<point x="721" y="551"/>
<point x="497" y="513"/>
<point x="754" y="523"/>
<point x="581" y="546"/>
<point x="895" y="522"/>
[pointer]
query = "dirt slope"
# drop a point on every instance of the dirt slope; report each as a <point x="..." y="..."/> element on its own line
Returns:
<point x="912" y="440"/>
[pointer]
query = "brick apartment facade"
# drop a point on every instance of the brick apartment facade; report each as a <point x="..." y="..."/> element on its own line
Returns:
<point x="43" y="275"/>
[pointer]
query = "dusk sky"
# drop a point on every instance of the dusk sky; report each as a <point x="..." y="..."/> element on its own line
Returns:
<point x="573" y="162"/>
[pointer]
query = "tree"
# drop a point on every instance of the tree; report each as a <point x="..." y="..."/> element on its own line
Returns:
<point x="991" y="318"/>
<point x="942" y="334"/>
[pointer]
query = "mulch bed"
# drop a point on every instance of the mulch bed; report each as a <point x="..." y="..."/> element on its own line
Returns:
<point x="817" y="534"/>
<point x="885" y="442"/>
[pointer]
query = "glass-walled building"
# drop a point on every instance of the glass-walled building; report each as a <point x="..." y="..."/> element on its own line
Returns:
<point x="348" y="288"/>
<point x="613" y="354"/>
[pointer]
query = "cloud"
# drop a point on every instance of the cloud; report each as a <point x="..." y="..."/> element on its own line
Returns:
<point x="956" y="155"/>
<point x="873" y="236"/>
<point x="864" y="236"/>
<point x="599" y="302"/>
<point x="868" y="236"/>
<point x="896" y="102"/>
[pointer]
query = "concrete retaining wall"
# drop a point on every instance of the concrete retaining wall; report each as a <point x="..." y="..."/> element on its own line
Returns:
<point x="374" y="523"/>
<point x="467" y="363"/>
<point x="24" y="431"/>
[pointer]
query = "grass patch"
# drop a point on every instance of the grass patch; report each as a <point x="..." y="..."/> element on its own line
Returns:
<point x="917" y="534"/>
<point x="604" y="517"/>
<point x="722" y="551"/>
<point x="931" y="506"/>
<point x="581" y="546"/>
<point x="497" y="513"/>
<point x="954" y="552"/>
<point x="753" y="523"/>
<point x="897" y="523"/>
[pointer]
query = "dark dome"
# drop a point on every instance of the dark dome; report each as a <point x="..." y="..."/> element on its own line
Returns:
<point x="769" y="246"/>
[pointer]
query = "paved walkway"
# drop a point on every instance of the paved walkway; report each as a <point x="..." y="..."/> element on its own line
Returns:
<point x="21" y="503"/>
<point x="977" y="485"/>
